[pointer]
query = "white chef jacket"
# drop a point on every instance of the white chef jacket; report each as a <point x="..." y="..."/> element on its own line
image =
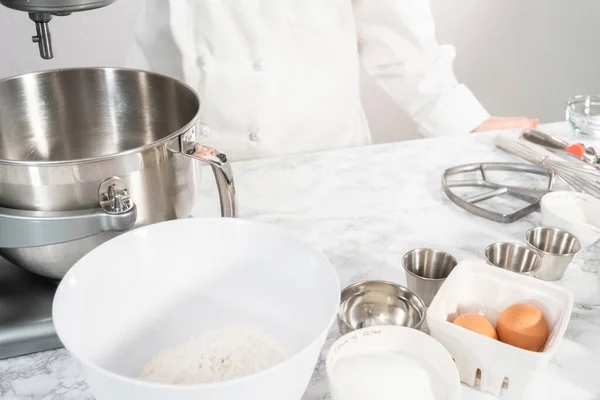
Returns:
<point x="282" y="76"/>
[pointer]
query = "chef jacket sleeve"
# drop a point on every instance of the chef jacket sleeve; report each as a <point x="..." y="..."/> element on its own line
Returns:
<point x="398" y="47"/>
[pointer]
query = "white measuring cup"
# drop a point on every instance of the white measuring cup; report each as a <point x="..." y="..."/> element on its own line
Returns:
<point x="578" y="214"/>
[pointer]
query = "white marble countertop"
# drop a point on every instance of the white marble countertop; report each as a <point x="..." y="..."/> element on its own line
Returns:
<point x="364" y="208"/>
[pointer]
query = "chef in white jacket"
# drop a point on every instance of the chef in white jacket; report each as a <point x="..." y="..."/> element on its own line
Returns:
<point x="282" y="76"/>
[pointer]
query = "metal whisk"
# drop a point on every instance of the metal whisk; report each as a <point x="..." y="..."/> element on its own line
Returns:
<point x="578" y="176"/>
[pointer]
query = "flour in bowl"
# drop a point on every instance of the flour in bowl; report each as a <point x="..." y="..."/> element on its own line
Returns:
<point x="216" y="355"/>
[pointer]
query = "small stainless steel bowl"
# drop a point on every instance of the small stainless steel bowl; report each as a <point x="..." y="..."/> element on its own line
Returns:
<point x="373" y="303"/>
<point x="556" y="249"/>
<point x="513" y="257"/>
<point x="426" y="271"/>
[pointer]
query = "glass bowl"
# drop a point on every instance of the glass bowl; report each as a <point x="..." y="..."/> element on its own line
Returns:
<point x="583" y="113"/>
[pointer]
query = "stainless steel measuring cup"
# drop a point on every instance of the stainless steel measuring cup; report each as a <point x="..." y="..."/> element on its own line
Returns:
<point x="426" y="271"/>
<point x="556" y="249"/>
<point x="513" y="257"/>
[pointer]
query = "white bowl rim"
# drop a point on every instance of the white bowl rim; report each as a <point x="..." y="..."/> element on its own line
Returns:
<point x="547" y="205"/>
<point x="193" y="387"/>
<point x="399" y="329"/>
<point x="556" y="195"/>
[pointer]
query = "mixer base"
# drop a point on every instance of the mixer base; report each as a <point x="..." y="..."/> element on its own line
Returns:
<point x="25" y="312"/>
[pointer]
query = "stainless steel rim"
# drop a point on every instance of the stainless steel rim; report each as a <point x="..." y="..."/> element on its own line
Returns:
<point x="522" y="246"/>
<point x="422" y="277"/>
<point x="135" y="150"/>
<point x="350" y="328"/>
<point x="540" y="228"/>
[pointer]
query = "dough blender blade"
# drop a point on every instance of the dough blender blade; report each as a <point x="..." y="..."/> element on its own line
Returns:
<point x="471" y="203"/>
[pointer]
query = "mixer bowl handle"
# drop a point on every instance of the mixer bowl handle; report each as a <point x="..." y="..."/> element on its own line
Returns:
<point x="24" y="228"/>
<point x="220" y="166"/>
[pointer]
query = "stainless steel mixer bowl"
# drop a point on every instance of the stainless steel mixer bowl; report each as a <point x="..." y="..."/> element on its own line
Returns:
<point x="88" y="153"/>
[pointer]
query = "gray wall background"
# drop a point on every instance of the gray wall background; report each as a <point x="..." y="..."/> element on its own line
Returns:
<point x="519" y="57"/>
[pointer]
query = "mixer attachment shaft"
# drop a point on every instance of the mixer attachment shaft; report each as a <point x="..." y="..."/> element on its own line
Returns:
<point x="43" y="38"/>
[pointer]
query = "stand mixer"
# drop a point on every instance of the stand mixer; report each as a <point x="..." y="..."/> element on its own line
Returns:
<point x="26" y="299"/>
<point x="42" y="11"/>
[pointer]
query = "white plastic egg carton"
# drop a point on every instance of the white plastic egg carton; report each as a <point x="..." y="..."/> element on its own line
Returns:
<point x="498" y="368"/>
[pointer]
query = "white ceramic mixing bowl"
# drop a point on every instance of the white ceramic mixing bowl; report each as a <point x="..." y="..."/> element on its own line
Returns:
<point x="157" y="286"/>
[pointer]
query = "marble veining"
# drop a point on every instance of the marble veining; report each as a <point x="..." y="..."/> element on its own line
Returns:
<point x="364" y="208"/>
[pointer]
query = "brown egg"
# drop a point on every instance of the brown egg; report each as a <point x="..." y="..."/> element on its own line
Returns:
<point x="523" y="326"/>
<point x="476" y="323"/>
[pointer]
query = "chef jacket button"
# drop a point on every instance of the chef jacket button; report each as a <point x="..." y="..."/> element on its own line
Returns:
<point x="258" y="66"/>
<point x="204" y="130"/>
<point x="253" y="136"/>
<point x="203" y="60"/>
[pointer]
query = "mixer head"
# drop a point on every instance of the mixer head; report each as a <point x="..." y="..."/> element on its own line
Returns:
<point x="42" y="11"/>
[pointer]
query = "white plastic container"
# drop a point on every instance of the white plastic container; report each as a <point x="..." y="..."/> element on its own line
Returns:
<point x="363" y="365"/>
<point x="474" y="286"/>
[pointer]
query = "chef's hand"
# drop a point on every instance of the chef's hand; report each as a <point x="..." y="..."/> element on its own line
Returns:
<point x="499" y="123"/>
